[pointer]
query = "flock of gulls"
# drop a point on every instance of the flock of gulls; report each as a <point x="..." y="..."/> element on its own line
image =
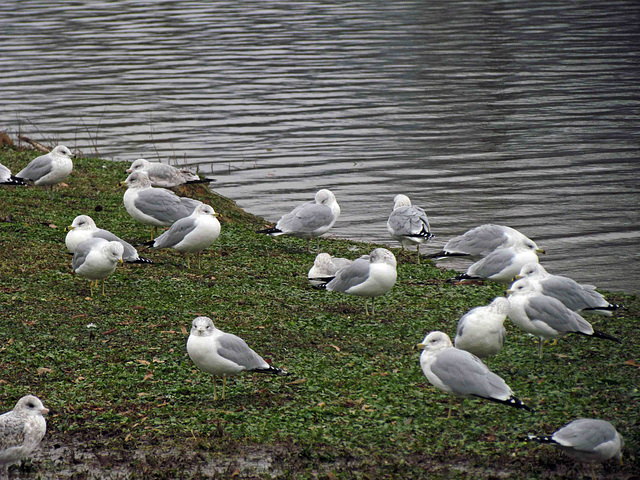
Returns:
<point x="544" y="305"/>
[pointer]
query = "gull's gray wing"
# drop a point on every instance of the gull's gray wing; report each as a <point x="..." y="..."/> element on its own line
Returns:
<point x="236" y="350"/>
<point x="466" y="375"/>
<point x="37" y="168"/>
<point x="479" y="241"/>
<point x="571" y="293"/>
<point x="176" y="233"/>
<point x="12" y="431"/>
<point x="408" y="221"/>
<point x="351" y="275"/>
<point x="5" y="173"/>
<point x="306" y="219"/>
<point x="163" y="175"/>
<point x="585" y="434"/>
<point x="554" y="314"/>
<point x="492" y="264"/>
<point x="82" y="250"/>
<point x="130" y="253"/>
<point x="163" y="205"/>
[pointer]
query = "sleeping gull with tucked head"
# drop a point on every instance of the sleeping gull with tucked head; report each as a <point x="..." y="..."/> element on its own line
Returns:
<point x="325" y="268"/>
<point x="309" y="220"/>
<point x="408" y="224"/>
<point x="461" y="373"/>
<point x="7" y="179"/>
<point x="96" y="259"/>
<point x="546" y="317"/>
<point x="191" y="234"/>
<point x="481" y="330"/>
<point x="586" y="440"/>
<point x="21" y="431"/>
<point x="501" y="265"/>
<point x="370" y="276"/>
<point x="481" y="241"/>
<point x="157" y="207"/>
<point x="164" y="175"/>
<point x="576" y="297"/>
<point x="50" y="169"/>
<point x="84" y="228"/>
<point x="223" y="354"/>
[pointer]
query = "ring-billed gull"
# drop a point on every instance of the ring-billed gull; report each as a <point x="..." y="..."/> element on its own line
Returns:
<point x="49" y="169"/>
<point x="371" y="276"/>
<point x="481" y="241"/>
<point x="325" y="267"/>
<point x="461" y="373"/>
<point x="481" y="330"/>
<point x="164" y="175"/>
<point x="7" y="179"/>
<point x="157" y="207"/>
<point x="501" y="265"/>
<point x="546" y="317"/>
<point x="408" y="224"/>
<point x="309" y="220"/>
<point x="21" y="431"/>
<point x="191" y="234"/>
<point x="223" y="354"/>
<point x="576" y="297"/>
<point x="96" y="259"/>
<point x="587" y="440"/>
<point x="84" y="228"/>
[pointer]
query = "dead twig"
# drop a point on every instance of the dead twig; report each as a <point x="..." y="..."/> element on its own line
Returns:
<point x="33" y="143"/>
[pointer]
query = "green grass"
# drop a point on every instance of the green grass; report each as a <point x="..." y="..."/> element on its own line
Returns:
<point x="356" y="405"/>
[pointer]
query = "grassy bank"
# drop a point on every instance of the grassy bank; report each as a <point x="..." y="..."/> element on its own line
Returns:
<point x="126" y="399"/>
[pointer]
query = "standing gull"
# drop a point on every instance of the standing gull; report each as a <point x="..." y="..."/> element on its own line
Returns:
<point x="191" y="234"/>
<point x="96" y="259"/>
<point x="84" y="228"/>
<point x="309" y="220"/>
<point x="371" y="276"/>
<point x="461" y="373"/>
<point x="576" y="297"/>
<point x="481" y="241"/>
<point x="408" y="224"/>
<point x="481" y="330"/>
<point x="164" y="175"/>
<point x="21" y="431"/>
<point x="586" y="440"/>
<point x="49" y="169"/>
<point x="157" y="207"/>
<point x="7" y="179"/>
<point x="501" y="265"/>
<point x="325" y="268"/>
<point x="223" y="354"/>
<point x="546" y="317"/>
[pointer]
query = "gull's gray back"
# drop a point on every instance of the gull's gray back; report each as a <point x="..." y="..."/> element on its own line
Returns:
<point x="37" y="168"/>
<point x="553" y="313"/>
<point x="235" y="349"/>
<point x="351" y="275"/>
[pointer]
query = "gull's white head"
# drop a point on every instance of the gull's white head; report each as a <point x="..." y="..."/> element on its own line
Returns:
<point x="325" y="197"/>
<point x="62" y="151"/>
<point x="113" y="251"/>
<point x="204" y="209"/>
<point x="30" y="405"/>
<point x="139" y="165"/>
<point x="435" y="341"/>
<point x="322" y="259"/>
<point x="523" y="287"/>
<point x="138" y="180"/>
<point x="500" y="305"/>
<point x="401" y="200"/>
<point x="531" y="270"/>
<point x="202" y="327"/>
<point x="82" y="222"/>
<point x="382" y="255"/>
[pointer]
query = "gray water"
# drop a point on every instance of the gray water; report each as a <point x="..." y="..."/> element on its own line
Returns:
<point x="512" y="112"/>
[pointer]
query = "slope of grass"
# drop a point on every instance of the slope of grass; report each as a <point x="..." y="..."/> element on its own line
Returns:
<point x="126" y="398"/>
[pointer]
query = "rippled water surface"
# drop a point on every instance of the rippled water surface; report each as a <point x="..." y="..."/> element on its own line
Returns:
<point x="513" y="112"/>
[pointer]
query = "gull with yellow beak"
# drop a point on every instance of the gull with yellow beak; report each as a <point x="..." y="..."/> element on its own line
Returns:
<point x="96" y="259"/>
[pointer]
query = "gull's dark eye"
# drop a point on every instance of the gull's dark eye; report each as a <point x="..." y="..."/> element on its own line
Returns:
<point x="31" y="405"/>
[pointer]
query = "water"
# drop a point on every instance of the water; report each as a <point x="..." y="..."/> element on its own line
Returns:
<point x="511" y="112"/>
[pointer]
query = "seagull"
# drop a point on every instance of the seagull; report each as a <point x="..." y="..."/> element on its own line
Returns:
<point x="371" y="276"/>
<point x="223" y="354"/>
<point x="481" y="330"/>
<point x="84" y="228"/>
<point x="481" y="241"/>
<point x="586" y="440"/>
<point x="7" y="179"/>
<point x="21" y="431"/>
<point x="325" y="267"/>
<point x="96" y="259"/>
<point x="164" y="175"/>
<point x="501" y="265"/>
<point x="309" y="220"/>
<point x="576" y="297"/>
<point x="49" y="169"/>
<point x="461" y="373"/>
<point x="546" y="317"/>
<point x="157" y="207"/>
<point x="191" y="234"/>
<point x="408" y="224"/>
